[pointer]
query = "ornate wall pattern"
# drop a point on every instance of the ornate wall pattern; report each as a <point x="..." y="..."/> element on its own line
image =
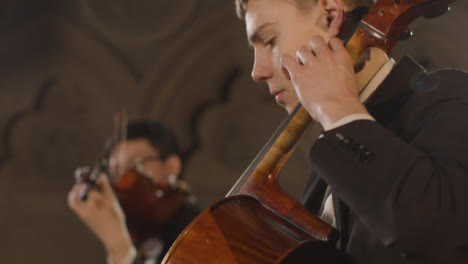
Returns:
<point x="67" y="66"/>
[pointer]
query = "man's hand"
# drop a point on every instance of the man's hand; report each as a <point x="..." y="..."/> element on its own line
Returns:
<point x="102" y="214"/>
<point x="324" y="79"/>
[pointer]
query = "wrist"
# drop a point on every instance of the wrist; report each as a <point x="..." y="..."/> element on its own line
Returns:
<point x="119" y="247"/>
<point x="127" y="257"/>
<point x="329" y="113"/>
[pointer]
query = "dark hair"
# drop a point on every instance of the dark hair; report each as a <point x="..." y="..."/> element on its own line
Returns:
<point x="157" y="134"/>
<point x="241" y="5"/>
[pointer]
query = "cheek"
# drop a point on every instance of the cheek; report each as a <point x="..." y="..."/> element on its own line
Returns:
<point x="285" y="47"/>
<point x="275" y="59"/>
<point x="276" y="53"/>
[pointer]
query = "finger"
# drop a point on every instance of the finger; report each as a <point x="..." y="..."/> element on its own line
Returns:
<point x="105" y="185"/>
<point x="95" y="199"/>
<point x="72" y="203"/>
<point x="317" y="45"/>
<point x="74" y="200"/>
<point x="336" y="44"/>
<point x="304" y="55"/>
<point x="289" y="66"/>
<point x="81" y="174"/>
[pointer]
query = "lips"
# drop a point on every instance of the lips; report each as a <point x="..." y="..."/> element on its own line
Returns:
<point x="278" y="95"/>
<point x="275" y="93"/>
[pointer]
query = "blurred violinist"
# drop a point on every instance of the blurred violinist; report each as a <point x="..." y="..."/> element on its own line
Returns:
<point x="138" y="205"/>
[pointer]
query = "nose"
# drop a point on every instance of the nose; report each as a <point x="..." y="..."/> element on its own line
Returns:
<point x="262" y="69"/>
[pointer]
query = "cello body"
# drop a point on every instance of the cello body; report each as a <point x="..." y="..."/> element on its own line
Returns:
<point x="276" y="240"/>
<point x="258" y="222"/>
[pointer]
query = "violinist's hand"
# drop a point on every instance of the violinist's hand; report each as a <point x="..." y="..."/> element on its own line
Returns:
<point x="102" y="214"/>
<point x="324" y="80"/>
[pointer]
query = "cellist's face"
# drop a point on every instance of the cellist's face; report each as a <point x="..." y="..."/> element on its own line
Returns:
<point x="126" y="156"/>
<point x="277" y="27"/>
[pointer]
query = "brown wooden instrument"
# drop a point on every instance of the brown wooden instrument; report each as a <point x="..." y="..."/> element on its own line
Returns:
<point x="148" y="205"/>
<point x="258" y="222"/>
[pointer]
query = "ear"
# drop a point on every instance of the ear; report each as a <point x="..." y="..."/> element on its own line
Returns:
<point x="334" y="11"/>
<point x="173" y="165"/>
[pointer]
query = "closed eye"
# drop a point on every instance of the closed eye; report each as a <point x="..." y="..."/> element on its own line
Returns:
<point x="270" y="42"/>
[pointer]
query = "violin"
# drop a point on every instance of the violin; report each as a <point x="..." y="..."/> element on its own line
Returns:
<point x="257" y="222"/>
<point x="148" y="205"/>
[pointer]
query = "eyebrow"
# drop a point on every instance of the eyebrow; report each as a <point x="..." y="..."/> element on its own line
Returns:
<point x="256" y="34"/>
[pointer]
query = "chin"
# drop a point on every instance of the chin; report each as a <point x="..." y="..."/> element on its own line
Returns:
<point x="291" y="107"/>
<point x="288" y="108"/>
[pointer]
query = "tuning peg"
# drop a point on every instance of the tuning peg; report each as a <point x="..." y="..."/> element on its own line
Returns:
<point x="437" y="12"/>
<point x="406" y="34"/>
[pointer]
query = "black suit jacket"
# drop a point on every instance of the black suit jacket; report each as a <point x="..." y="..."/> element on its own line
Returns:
<point x="400" y="185"/>
<point x="175" y="226"/>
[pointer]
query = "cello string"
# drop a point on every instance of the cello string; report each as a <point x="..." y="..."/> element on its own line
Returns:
<point x="253" y="165"/>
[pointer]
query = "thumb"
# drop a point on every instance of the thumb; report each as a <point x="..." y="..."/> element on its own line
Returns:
<point x="288" y="66"/>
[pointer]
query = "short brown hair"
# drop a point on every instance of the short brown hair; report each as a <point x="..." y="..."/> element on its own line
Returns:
<point x="241" y="5"/>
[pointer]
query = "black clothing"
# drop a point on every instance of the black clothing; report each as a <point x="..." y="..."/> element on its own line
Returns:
<point x="174" y="227"/>
<point x="400" y="184"/>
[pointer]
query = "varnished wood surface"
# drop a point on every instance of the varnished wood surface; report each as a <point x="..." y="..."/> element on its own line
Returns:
<point x="146" y="215"/>
<point x="387" y="21"/>
<point x="238" y="230"/>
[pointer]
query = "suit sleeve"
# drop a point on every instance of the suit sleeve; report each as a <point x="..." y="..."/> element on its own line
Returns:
<point x="411" y="193"/>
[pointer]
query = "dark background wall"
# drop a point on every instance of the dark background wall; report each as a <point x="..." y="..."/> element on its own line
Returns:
<point x="67" y="66"/>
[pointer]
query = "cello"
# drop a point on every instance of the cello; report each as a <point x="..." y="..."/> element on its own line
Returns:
<point x="257" y="222"/>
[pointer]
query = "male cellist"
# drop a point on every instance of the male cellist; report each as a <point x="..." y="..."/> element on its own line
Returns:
<point x="392" y="175"/>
